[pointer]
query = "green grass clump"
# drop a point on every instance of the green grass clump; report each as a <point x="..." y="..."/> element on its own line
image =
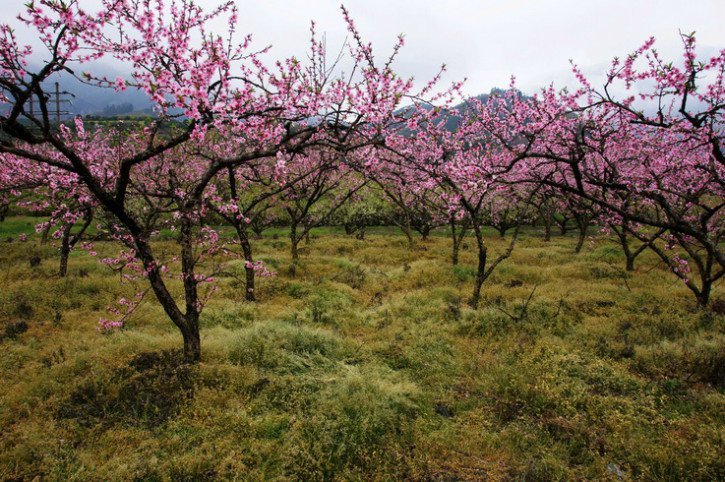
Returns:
<point x="283" y="348"/>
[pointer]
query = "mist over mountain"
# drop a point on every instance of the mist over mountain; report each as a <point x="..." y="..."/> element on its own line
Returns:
<point x="453" y="121"/>
<point x="88" y="99"/>
<point x="92" y="100"/>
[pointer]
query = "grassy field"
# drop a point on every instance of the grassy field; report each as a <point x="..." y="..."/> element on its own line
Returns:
<point x="366" y="365"/>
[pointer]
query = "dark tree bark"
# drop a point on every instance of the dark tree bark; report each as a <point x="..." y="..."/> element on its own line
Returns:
<point x="69" y="241"/>
<point x="705" y="266"/>
<point x="246" y="245"/>
<point x="458" y="233"/>
<point x="630" y="254"/>
<point x="482" y="272"/>
<point x="583" y="226"/>
<point x="546" y="218"/>
<point x="563" y="225"/>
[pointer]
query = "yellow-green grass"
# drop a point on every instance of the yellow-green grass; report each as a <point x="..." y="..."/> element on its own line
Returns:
<point x="368" y="364"/>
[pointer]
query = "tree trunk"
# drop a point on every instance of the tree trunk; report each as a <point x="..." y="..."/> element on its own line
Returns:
<point x="547" y="227"/>
<point x="294" y="240"/>
<point x="408" y="232"/>
<point x="563" y="228"/>
<point x="64" y="251"/>
<point x="190" y="323"/>
<point x="187" y="324"/>
<point x="454" y="238"/>
<point x="409" y="235"/>
<point x="457" y="238"/>
<point x="192" y="342"/>
<point x="248" y="263"/>
<point x="629" y="256"/>
<point x="582" y="236"/>
<point x="481" y="268"/>
<point x="454" y="254"/>
<point x="703" y="297"/>
<point x="64" y="254"/>
<point x="44" y="235"/>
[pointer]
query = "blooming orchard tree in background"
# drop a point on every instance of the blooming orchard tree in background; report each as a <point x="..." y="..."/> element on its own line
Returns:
<point x="367" y="207"/>
<point x="319" y="183"/>
<point x="642" y="156"/>
<point x="468" y="165"/>
<point x="414" y="204"/>
<point x="203" y="83"/>
<point x="245" y="195"/>
<point x="507" y="208"/>
<point x="659" y="167"/>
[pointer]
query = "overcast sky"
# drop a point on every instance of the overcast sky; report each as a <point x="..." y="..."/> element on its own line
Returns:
<point x="485" y="41"/>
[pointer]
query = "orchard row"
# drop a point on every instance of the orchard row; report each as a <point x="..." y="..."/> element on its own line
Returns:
<point x="241" y="142"/>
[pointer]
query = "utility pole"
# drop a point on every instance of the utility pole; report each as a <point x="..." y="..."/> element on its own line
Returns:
<point x="54" y="100"/>
<point x="57" y="103"/>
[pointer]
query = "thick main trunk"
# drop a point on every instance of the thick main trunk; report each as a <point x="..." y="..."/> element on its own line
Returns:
<point x="703" y="297"/>
<point x="454" y="238"/>
<point x="190" y="324"/>
<point x="547" y="229"/>
<point x="187" y="324"/>
<point x="249" y="294"/>
<point x="295" y="250"/>
<point x="63" y="266"/>
<point x="629" y="256"/>
<point x="192" y="342"/>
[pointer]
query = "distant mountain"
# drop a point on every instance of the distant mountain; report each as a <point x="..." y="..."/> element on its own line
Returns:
<point x="453" y="122"/>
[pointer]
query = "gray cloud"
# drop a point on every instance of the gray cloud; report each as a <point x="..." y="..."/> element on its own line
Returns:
<point x="485" y="41"/>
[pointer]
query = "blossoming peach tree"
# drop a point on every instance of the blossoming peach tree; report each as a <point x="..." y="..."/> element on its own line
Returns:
<point x="207" y="88"/>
